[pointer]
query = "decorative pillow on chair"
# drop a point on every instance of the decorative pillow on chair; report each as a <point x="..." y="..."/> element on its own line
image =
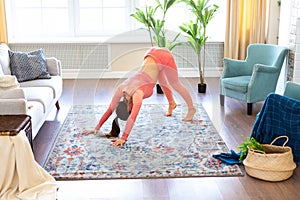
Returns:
<point x="28" y="66"/>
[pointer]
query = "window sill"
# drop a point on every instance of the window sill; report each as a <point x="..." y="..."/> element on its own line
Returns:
<point x="132" y="37"/>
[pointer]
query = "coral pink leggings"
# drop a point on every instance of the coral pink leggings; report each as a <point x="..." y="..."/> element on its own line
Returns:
<point x="168" y="76"/>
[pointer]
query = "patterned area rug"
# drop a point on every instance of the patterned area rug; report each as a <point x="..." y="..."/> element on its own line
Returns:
<point x="158" y="147"/>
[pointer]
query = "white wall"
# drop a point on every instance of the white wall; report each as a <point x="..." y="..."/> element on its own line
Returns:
<point x="289" y="36"/>
<point x="273" y="29"/>
<point x="297" y="54"/>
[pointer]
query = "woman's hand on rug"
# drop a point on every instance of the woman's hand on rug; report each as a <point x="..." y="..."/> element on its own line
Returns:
<point x="87" y="132"/>
<point x="118" y="142"/>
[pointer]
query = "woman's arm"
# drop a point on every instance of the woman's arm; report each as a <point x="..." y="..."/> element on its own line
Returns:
<point x="104" y="117"/>
<point x="113" y="104"/>
<point x="137" y="99"/>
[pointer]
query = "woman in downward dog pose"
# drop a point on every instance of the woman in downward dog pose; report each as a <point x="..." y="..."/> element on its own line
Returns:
<point x="159" y="65"/>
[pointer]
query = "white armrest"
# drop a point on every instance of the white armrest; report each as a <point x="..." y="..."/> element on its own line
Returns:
<point x="53" y="66"/>
<point x="13" y="106"/>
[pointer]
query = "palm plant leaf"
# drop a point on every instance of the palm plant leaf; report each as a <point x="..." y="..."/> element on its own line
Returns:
<point x="208" y="14"/>
<point x="166" y="4"/>
<point x="140" y="16"/>
<point x="194" y="31"/>
<point x="156" y="26"/>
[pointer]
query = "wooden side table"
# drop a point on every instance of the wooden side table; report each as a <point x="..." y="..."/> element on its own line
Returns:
<point x="11" y="125"/>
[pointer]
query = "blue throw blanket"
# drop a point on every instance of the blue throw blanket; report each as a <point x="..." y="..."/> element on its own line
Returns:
<point x="280" y="115"/>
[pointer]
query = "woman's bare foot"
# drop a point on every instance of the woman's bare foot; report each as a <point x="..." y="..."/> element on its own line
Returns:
<point x="189" y="116"/>
<point x="172" y="106"/>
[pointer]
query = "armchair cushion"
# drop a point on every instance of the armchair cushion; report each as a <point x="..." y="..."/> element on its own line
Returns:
<point x="28" y="66"/>
<point x="239" y="83"/>
<point x="237" y="68"/>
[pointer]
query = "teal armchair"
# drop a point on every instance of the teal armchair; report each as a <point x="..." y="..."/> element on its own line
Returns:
<point x="252" y="79"/>
<point x="292" y="90"/>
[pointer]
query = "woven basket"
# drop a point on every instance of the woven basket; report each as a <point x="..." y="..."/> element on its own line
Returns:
<point x="274" y="164"/>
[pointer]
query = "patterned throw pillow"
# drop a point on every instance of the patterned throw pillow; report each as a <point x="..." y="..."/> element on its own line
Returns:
<point x="28" y="66"/>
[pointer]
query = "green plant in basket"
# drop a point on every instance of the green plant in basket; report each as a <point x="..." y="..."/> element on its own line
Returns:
<point x="251" y="142"/>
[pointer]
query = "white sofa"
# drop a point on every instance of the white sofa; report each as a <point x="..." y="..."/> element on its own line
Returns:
<point x="34" y="97"/>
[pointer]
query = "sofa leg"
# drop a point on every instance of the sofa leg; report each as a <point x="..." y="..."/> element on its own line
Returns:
<point x="249" y="108"/>
<point x="57" y="105"/>
<point x="221" y="100"/>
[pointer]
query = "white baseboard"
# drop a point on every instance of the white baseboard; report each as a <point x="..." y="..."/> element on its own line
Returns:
<point x="96" y="74"/>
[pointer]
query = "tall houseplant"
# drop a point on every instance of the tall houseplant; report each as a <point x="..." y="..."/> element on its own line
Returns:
<point x="196" y="33"/>
<point x="156" y="26"/>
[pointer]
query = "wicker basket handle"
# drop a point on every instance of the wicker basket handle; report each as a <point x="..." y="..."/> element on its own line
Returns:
<point x="256" y="151"/>
<point x="282" y="136"/>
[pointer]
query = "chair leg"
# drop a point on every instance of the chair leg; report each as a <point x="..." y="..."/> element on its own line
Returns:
<point x="57" y="105"/>
<point x="221" y="100"/>
<point x="249" y="108"/>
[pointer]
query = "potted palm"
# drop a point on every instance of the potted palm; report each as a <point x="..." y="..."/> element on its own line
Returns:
<point x="196" y="33"/>
<point x="156" y="26"/>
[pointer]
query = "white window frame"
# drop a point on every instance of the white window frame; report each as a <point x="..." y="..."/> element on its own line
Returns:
<point x="76" y="35"/>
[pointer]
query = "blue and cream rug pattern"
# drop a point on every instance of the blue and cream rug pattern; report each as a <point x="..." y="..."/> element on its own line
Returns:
<point x="158" y="147"/>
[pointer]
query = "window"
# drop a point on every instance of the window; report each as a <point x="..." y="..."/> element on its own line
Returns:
<point x="33" y="20"/>
<point x="101" y="17"/>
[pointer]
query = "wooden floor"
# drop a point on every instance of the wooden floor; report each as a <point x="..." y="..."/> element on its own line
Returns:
<point x="231" y="121"/>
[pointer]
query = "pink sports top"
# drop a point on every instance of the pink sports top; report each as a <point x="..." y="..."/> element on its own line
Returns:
<point x="140" y="80"/>
<point x="139" y="87"/>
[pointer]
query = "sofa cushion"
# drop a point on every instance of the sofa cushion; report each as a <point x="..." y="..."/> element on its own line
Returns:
<point x="4" y="59"/>
<point x="55" y="83"/>
<point x="28" y="66"/>
<point x="43" y="95"/>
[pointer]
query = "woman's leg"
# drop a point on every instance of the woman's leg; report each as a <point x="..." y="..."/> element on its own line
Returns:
<point x="167" y="91"/>
<point x="168" y="74"/>
<point x="171" y="75"/>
